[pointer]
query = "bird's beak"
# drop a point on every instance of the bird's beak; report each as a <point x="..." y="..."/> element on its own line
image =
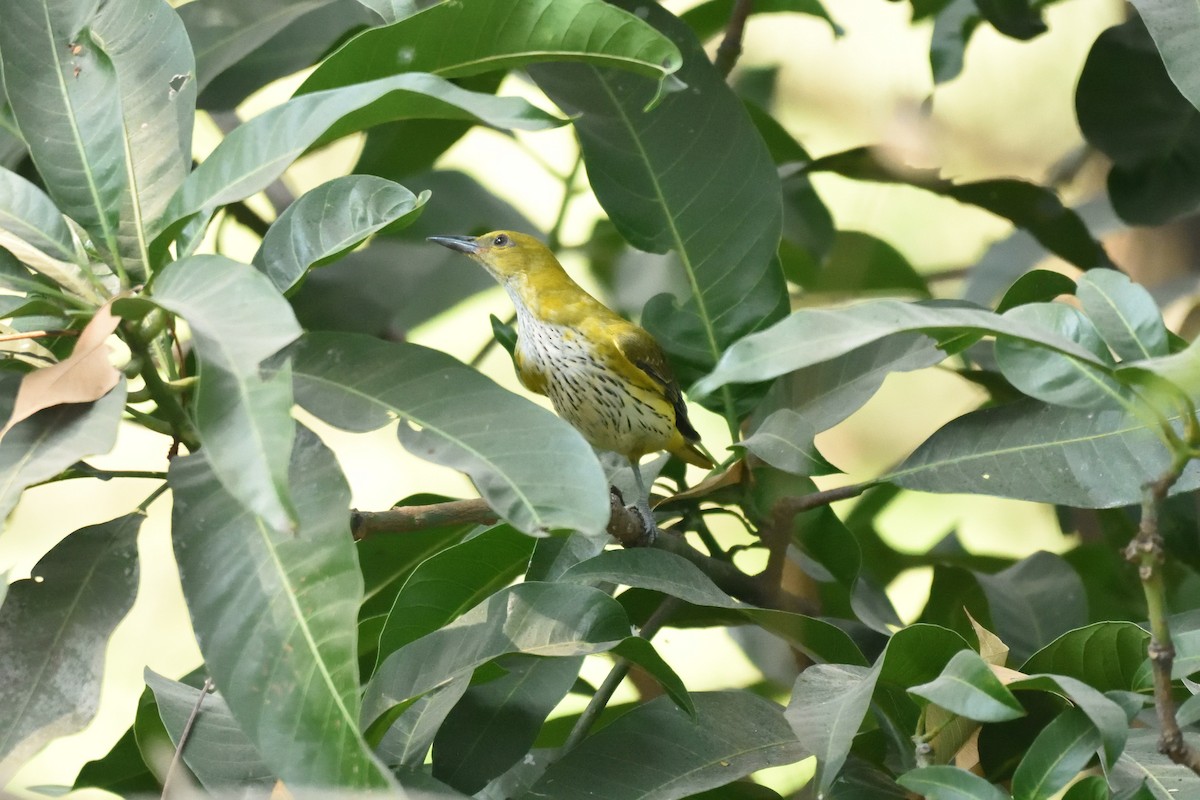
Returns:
<point x="463" y="244"/>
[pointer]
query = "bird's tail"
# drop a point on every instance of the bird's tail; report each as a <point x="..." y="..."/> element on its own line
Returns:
<point x="692" y="454"/>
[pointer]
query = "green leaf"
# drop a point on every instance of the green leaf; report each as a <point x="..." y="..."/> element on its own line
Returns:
<point x="223" y="32"/>
<point x="969" y="688"/>
<point x="1124" y="313"/>
<point x="481" y="37"/>
<point x="952" y="30"/>
<point x="548" y="619"/>
<point x="949" y="783"/>
<point x="1141" y="763"/>
<point x="258" y="151"/>
<point x="1106" y="716"/>
<point x="1032" y="451"/>
<point x="691" y="176"/>
<point x="238" y="319"/>
<point x="1187" y="654"/>
<point x="450" y="582"/>
<point x="811" y="336"/>
<point x="1092" y="787"/>
<point x="664" y="754"/>
<point x="1056" y="756"/>
<point x="62" y="617"/>
<point x="328" y="221"/>
<point x="27" y="213"/>
<point x="533" y="469"/>
<point x="1035" y="286"/>
<point x="1152" y="134"/>
<point x="274" y="615"/>
<point x="1034" y="601"/>
<point x="41" y="446"/>
<point x="218" y="753"/>
<point x="861" y="263"/>
<point x="641" y="652"/>
<point x="408" y="740"/>
<point x="105" y="96"/>
<point x="709" y="18"/>
<point x="1105" y="655"/>
<point x="1173" y="26"/>
<point x="120" y="771"/>
<point x="496" y="723"/>
<point x="828" y="704"/>
<point x="785" y="441"/>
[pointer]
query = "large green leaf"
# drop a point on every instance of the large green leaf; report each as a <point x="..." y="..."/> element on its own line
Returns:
<point x="27" y="213"/>
<point x="1142" y="763"/>
<point x="56" y="626"/>
<point x="709" y="18"/>
<point x="691" y="176"/>
<point x="257" y="152"/>
<point x="105" y="96"/>
<point x="120" y="771"/>
<point x="1124" y="313"/>
<point x="814" y="335"/>
<point x="533" y="469"/>
<point x="274" y="614"/>
<point x="657" y="752"/>
<point x="1105" y="655"/>
<point x="1175" y="27"/>
<point x="408" y="740"/>
<point x="1105" y="715"/>
<point x="1032" y="451"/>
<point x="53" y="439"/>
<point x="1034" y="601"/>
<point x="329" y="220"/>
<point x="949" y="783"/>
<point x="218" y="753"/>
<point x="237" y="319"/>
<point x="968" y="687"/>
<point x="536" y="618"/>
<point x="1056" y="756"/>
<point x="828" y="704"/>
<point x="475" y="37"/>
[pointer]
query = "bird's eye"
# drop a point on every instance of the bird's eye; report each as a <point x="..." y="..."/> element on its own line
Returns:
<point x="501" y="241"/>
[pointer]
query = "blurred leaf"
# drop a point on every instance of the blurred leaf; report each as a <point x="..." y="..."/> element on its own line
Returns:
<point x="1091" y="787"/>
<point x="26" y="212"/>
<point x="953" y="27"/>
<point x="218" y="753"/>
<point x="1128" y="107"/>
<point x="329" y="220"/>
<point x="828" y="704"/>
<point x="549" y="619"/>
<point x="1036" y="286"/>
<point x="1034" y="601"/>
<point x="497" y="723"/>
<point x="83" y="377"/>
<point x="258" y="151"/>
<point x="1056" y="756"/>
<point x="691" y="176"/>
<point x="862" y="263"/>
<point x="121" y="771"/>
<point x="1052" y="377"/>
<point x="1034" y="208"/>
<point x="62" y="617"/>
<point x="1124" y="313"/>
<point x="1032" y="451"/>
<point x="52" y="440"/>
<point x="1141" y="762"/>
<point x="532" y="468"/>
<point x="968" y="688"/>
<point x="1105" y="655"/>
<point x="1106" y="716"/>
<point x="1018" y="19"/>
<point x="274" y="616"/>
<point x="223" y="32"/>
<point x="1173" y="26"/>
<point x="949" y="783"/>
<point x="810" y="336"/>
<point x="469" y="41"/>
<point x="452" y="581"/>
<point x="108" y="90"/>
<point x="709" y="18"/>
<point x="299" y="44"/>
<point x="664" y="754"/>
<point x="237" y="319"/>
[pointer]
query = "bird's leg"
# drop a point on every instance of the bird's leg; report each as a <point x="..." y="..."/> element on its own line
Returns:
<point x="649" y="527"/>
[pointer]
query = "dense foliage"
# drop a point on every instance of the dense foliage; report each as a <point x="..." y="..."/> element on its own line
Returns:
<point x="428" y="647"/>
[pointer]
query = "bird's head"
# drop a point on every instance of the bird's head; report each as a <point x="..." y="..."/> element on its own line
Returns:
<point x="505" y="254"/>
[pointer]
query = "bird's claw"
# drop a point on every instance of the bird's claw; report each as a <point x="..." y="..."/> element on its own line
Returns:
<point x="649" y="526"/>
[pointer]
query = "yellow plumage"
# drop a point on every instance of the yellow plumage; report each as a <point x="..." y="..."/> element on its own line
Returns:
<point x="604" y="375"/>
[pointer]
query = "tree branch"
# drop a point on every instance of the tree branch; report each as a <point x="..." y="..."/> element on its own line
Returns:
<point x="730" y="48"/>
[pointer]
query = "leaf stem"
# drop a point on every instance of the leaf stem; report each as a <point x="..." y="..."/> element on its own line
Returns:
<point x="166" y="398"/>
<point x="183" y="736"/>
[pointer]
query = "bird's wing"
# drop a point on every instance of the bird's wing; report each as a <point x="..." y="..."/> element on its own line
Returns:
<point x="640" y="350"/>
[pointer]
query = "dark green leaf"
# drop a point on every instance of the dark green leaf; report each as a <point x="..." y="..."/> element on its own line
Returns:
<point x="1106" y="716"/>
<point x="952" y="30"/>
<point x="53" y="439"/>
<point x="121" y="771"/>
<point x="1035" y="286"/>
<point x="862" y="263"/>
<point x="496" y="723"/>
<point x="453" y="581"/>
<point x="481" y="37"/>
<point x="535" y="618"/>
<point x="1124" y="313"/>
<point x="274" y="615"/>
<point x="1172" y="26"/>
<point x="784" y="439"/>
<point x="641" y="652"/>
<point x="664" y="754"/>
<point x="949" y="783"/>
<point x="1105" y="655"/>
<point x="1034" y="601"/>
<point x="1092" y="787"/>
<point x="27" y="213"/>
<point x="691" y="176"/>
<point x="407" y="741"/>
<point x="969" y="688"/>
<point x="710" y="17"/>
<point x="329" y="220"/>
<point x="1020" y="19"/>
<point x="532" y="468"/>
<point x="105" y="94"/>
<point x="1056" y="756"/>
<point x="829" y="702"/>
<point x="62" y="618"/>
<point x="217" y="751"/>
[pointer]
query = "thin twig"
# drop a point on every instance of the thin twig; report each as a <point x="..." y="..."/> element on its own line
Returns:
<point x="13" y="337"/>
<point x="183" y="737"/>
<point x="730" y="48"/>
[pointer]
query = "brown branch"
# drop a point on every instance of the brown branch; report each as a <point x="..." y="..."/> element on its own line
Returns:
<point x="406" y="519"/>
<point x="730" y="48"/>
<point x="1146" y="551"/>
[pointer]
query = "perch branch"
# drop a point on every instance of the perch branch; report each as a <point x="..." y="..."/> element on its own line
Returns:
<point x="183" y="736"/>
<point x="730" y="48"/>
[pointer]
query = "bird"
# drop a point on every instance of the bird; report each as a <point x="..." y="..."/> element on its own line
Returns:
<point x="604" y="375"/>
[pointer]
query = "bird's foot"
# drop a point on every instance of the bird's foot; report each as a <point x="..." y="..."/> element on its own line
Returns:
<point x="649" y="526"/>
